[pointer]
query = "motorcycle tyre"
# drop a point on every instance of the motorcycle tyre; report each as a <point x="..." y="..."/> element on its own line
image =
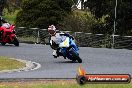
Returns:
<point x="15" y="41"/>
<point x="76" y="57"/>
<point x="3" y="43"/>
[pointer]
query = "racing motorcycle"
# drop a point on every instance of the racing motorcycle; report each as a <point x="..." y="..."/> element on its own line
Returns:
<point x="67" y="49"/>
<point x="8" y="34"/>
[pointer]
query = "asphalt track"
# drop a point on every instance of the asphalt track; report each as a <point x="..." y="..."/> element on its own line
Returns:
<point x="95" y="61"/>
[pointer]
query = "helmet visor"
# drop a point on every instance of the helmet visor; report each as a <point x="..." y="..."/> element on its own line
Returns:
<point x="51" y="32"/>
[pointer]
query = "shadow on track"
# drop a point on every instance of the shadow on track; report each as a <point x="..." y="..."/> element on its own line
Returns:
<point x="8" y="45"/>
<point x="67" y="62"/>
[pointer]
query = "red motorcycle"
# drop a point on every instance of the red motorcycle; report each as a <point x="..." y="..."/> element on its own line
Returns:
<point x="8" y="34"/>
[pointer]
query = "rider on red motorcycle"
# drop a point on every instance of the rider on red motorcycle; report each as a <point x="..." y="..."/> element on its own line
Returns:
<point x="1" y="22"/>
<point x="8" y="35"/>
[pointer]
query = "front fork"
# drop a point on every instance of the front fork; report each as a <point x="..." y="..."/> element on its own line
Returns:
<point x="12" y="36"/>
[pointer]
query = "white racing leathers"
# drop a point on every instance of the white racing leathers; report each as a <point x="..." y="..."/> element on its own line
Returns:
<point x="58" y="38"/>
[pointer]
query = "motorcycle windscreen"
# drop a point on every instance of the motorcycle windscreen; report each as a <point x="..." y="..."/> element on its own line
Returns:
<point x="65" y="43"/>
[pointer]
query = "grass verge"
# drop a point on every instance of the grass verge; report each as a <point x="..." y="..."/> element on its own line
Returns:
<point x="59" y="84"/>
<point x="8" y="64"/>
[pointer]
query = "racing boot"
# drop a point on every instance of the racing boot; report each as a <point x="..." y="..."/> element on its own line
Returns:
<point x="55" y="54"/>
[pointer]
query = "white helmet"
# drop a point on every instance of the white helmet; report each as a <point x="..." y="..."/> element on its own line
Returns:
<point x="52" y="30"/>
<point x="6" y="25"/>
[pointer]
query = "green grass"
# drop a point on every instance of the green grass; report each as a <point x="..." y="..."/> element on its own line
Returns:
<point x="8" y="64"/>
<point x="60" y="84"/>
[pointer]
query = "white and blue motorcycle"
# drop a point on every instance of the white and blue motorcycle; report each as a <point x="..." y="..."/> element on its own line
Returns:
<point x="67" y="49"/>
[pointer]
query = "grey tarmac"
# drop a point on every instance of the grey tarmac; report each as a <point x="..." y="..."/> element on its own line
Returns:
<point x="95" y="61"/>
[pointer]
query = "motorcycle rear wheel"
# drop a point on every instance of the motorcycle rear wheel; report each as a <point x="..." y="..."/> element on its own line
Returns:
<point x="3" y="43"/>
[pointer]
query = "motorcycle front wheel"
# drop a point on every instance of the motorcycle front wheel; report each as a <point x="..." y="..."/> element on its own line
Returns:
<point x="15" y="41"/>
<point x="76" y="57"/>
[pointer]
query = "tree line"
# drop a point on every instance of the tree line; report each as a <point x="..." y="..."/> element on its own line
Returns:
<point x="107" y="7"/>
<point x="96" y="16"/>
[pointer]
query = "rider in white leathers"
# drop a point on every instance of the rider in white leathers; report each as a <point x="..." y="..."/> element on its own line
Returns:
<point x="56" y="39"/>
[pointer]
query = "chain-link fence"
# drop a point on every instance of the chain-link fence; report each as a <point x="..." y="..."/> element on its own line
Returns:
<point x="103" y="41"/>
<point x="36" y="35"/>
<point x="93" y="40"/>
<point x="32" y="35"/>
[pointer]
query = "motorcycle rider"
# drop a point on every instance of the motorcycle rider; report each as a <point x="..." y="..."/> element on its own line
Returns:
<point x="56" y="39"/>
<point x="1" y="22"/>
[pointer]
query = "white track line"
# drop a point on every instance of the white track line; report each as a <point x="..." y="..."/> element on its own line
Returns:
<point x="29" y="66"/>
